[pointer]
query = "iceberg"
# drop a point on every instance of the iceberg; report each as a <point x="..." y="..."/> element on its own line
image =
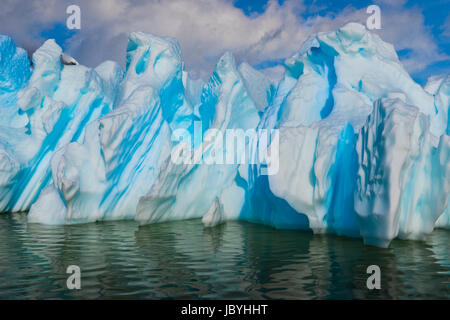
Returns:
<point x="346" y="142"/>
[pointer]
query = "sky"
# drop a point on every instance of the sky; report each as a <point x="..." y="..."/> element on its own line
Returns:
<point x="261" y="32"/>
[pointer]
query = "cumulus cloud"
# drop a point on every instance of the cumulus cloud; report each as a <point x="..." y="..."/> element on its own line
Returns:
<point x="208" y="28"/>
<point x="405" y="28"/>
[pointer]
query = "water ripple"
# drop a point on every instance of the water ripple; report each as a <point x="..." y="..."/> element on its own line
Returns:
<point x="237" y="260"/>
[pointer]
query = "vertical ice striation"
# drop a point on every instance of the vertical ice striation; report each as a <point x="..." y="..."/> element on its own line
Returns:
<point x="402" y="184"/>
<point x="439" y="87"/>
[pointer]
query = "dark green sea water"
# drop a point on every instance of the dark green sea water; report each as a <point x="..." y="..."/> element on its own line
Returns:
<point x="236" y="260"/>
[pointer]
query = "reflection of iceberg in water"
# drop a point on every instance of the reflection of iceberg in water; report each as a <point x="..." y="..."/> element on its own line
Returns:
<point x="195" y="260"/>
<point x="234" y="260"/>
<point x="103" y="251"/>
<point x="411" y="270"/>
<point x="441" y="253"/>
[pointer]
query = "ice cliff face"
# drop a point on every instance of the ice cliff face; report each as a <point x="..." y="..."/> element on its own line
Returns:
<point x="363" y="149"/>
<point x="400" y="173"/>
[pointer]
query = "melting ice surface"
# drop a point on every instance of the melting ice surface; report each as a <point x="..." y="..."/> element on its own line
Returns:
<point x="363" y="149"/>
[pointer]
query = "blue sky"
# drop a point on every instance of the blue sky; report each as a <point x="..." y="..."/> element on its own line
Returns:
<point x="263" y="33"/>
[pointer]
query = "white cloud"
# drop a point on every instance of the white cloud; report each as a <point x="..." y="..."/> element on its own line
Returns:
<point x="405" y="29"/>
<point x="208" y="28"/>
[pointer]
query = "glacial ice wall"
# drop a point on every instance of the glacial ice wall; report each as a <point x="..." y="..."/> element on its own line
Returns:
<point x="363" y="149"/>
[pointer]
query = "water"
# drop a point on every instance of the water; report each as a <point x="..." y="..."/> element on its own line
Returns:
<point x="237" y="260"/>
